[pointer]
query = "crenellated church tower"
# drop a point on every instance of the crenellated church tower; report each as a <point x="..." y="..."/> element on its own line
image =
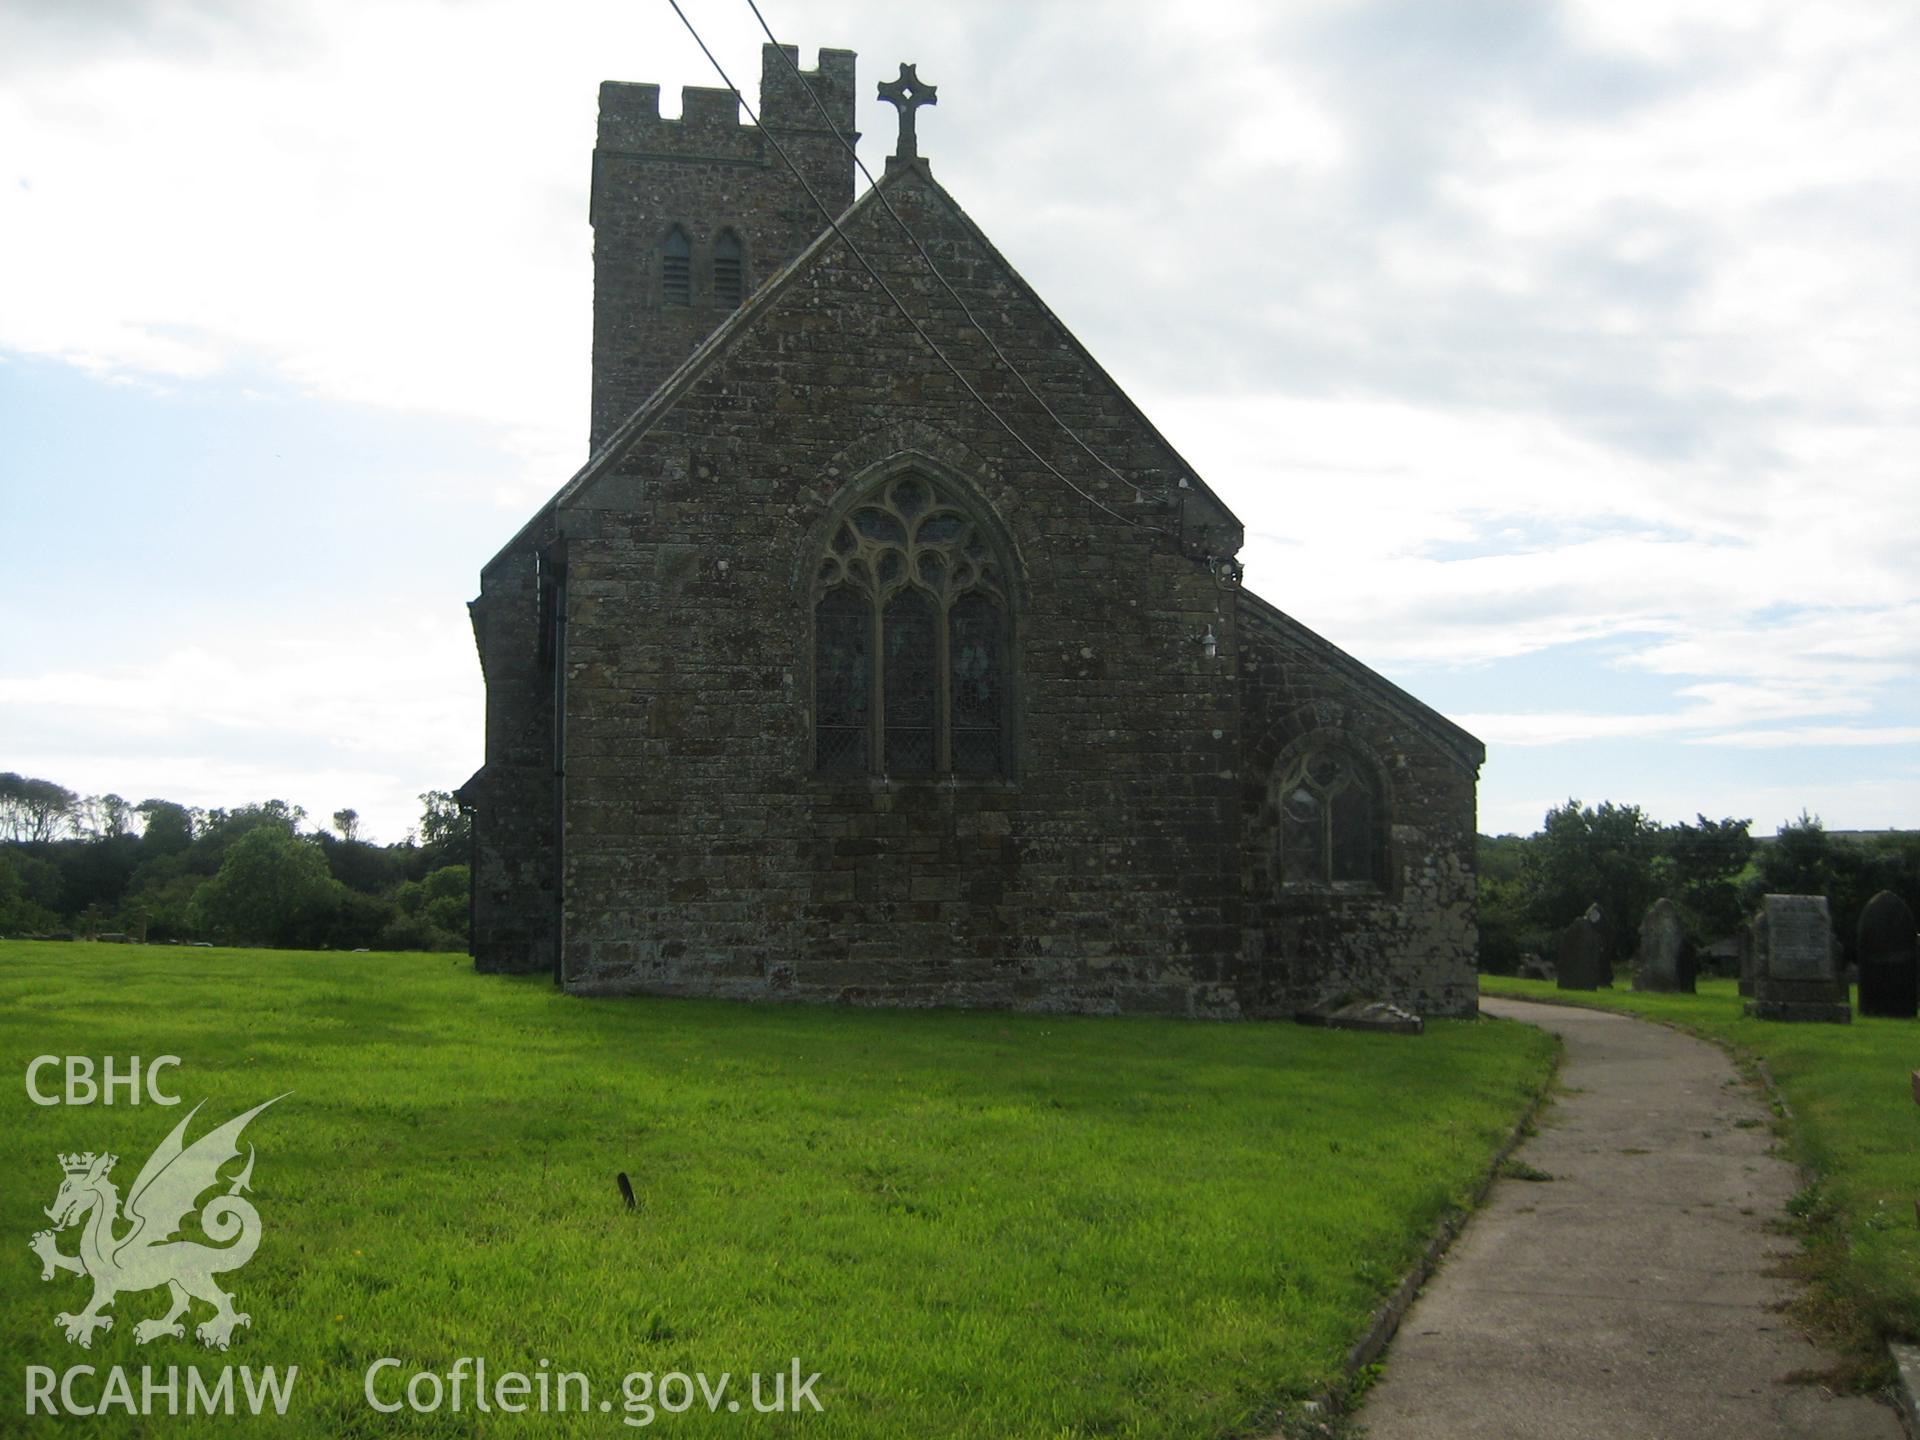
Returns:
<point x="690" y="215"/>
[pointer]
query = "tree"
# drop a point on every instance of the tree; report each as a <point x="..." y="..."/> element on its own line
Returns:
<point x="347" y="822"/>
<point x="35" y="811"/>
<point x="369" y="869"/>
<point x="105" y="817"/>
<point x="433" y="911"/>
<point x="1799" y="861"/>
<point x="159" y="899"/>
<point x="446" y="831"/>
<point x="272" y="889"/>
<point x="1506" y="931"/>
<point x="168" y="830"/>
<point x="94" y="873"/>
<point x="20" y="912"/>
<point x="1700" y="872"/>
<point x="1585" y="854"/>
<point x="221" y="828"/>
<point x="446" y="891"/>
<point x="1804" y="860"/>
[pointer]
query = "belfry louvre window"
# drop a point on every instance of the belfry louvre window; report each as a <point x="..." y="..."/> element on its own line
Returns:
<point x="729" y="271"/>
<point x="676" y="269"/>
<point x="1331" y="830"/>
<point x="910" y="634"/>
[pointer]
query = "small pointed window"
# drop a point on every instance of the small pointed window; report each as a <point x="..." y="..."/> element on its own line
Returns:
<point x="1330" y="822"/>
<point x="676" y="269"/>
<point x="729" y="271"/>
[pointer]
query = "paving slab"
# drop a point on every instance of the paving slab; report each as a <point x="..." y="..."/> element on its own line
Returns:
<point x="1628" y="1296"/>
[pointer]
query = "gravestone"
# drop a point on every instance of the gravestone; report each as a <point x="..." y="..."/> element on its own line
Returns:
<point x="1603" y="927"/>
<point x="1749" y="956"/>
<point x="1583" y="962"/>
<point x="1376" y="1015"/>
<point x="1889" y="980"/>
<point x="1665" y="958"/>
<point x="1795" y="974"/>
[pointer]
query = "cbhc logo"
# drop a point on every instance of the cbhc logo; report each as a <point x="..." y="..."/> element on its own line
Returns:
<point x="83" y="1089"/>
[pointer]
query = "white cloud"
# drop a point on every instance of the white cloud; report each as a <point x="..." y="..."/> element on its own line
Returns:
<point x="1815" y="735"/>
<point x="1590" y="334"/>
<point x="366" y="716"/>
<point x="377" y="229"/>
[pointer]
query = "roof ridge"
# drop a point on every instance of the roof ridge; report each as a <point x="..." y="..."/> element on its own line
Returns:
<point x="1458" y="737"/>
<point x="681" y="377"/>
<point x="1047" y="313"/>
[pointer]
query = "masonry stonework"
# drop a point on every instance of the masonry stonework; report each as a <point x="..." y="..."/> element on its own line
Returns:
<point x="651" y="816"/>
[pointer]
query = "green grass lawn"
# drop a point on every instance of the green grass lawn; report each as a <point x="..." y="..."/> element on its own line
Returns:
<point x="968" y="1224"/>
<point x="1855" y="1124"/>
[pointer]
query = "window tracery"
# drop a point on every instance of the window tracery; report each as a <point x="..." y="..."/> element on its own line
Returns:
<point x="1331" y="824"/>
<point x="910" y="639"/>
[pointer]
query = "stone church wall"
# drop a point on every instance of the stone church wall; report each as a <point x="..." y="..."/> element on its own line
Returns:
<point x="514" y="896"/>
<point x="662" y="608"/>
<point x="701" y="854"/>
<point x="1412" y="940"/>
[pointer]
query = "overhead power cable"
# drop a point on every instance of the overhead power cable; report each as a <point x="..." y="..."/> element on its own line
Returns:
<point x="918" y="329"/>
<point x="933" y="269"/>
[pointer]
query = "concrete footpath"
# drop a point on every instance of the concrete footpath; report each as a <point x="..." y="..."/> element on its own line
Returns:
<point x="1628" y="1296"/>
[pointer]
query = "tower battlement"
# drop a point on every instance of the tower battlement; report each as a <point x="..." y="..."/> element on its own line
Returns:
<point x="691" y="213"/>
<point x="630" y="116"/>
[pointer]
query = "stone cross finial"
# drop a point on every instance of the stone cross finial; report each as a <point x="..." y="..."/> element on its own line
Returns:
<point x="907" y="94"/>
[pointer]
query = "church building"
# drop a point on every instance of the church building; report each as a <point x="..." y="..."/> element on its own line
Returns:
<point x="883" y="651"/>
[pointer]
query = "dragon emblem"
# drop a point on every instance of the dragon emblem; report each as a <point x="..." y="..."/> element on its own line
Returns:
<point x="136" y="1250"/>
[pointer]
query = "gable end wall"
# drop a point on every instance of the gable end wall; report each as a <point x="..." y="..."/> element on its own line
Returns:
<point x="703" y="857"/>
<point x="1413" y="942"/>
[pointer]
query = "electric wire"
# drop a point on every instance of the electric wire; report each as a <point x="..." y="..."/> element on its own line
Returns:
<point x="877" y="279"/>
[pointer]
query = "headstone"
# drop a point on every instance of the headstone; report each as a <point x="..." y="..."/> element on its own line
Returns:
<point x="1749" y="956"/>
<point x="1889" y="966"/>
<point x="1374" y="1015"/>
<point x="1665" y="958"/>
<point x="1795" y="977"/>
<point x="1532" y="967"/>
<point x="1582" y="962"/>
<point x="1603" y="927"/>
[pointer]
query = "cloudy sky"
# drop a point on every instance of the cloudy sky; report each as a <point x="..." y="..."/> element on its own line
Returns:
<point x="1562" y="359"/>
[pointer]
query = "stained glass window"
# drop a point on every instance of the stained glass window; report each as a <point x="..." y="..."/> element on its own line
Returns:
<point x="911" y="680"/>
<point x="1330" y="824"/>
<point x="920" y="581"/>
<point x="843" y="667"/>
<point x="979" y="704"/>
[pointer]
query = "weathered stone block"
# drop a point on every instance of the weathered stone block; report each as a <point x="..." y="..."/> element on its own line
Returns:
<point x="1796" y="976"/>
<point x="1665" y="958"/>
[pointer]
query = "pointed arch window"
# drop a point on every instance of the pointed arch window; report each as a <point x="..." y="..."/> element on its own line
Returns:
<point x="911" y="636"/>
<point x="676" y="269"/>
<point x="729" y="271"/>
<point x="1332" y="831"/>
